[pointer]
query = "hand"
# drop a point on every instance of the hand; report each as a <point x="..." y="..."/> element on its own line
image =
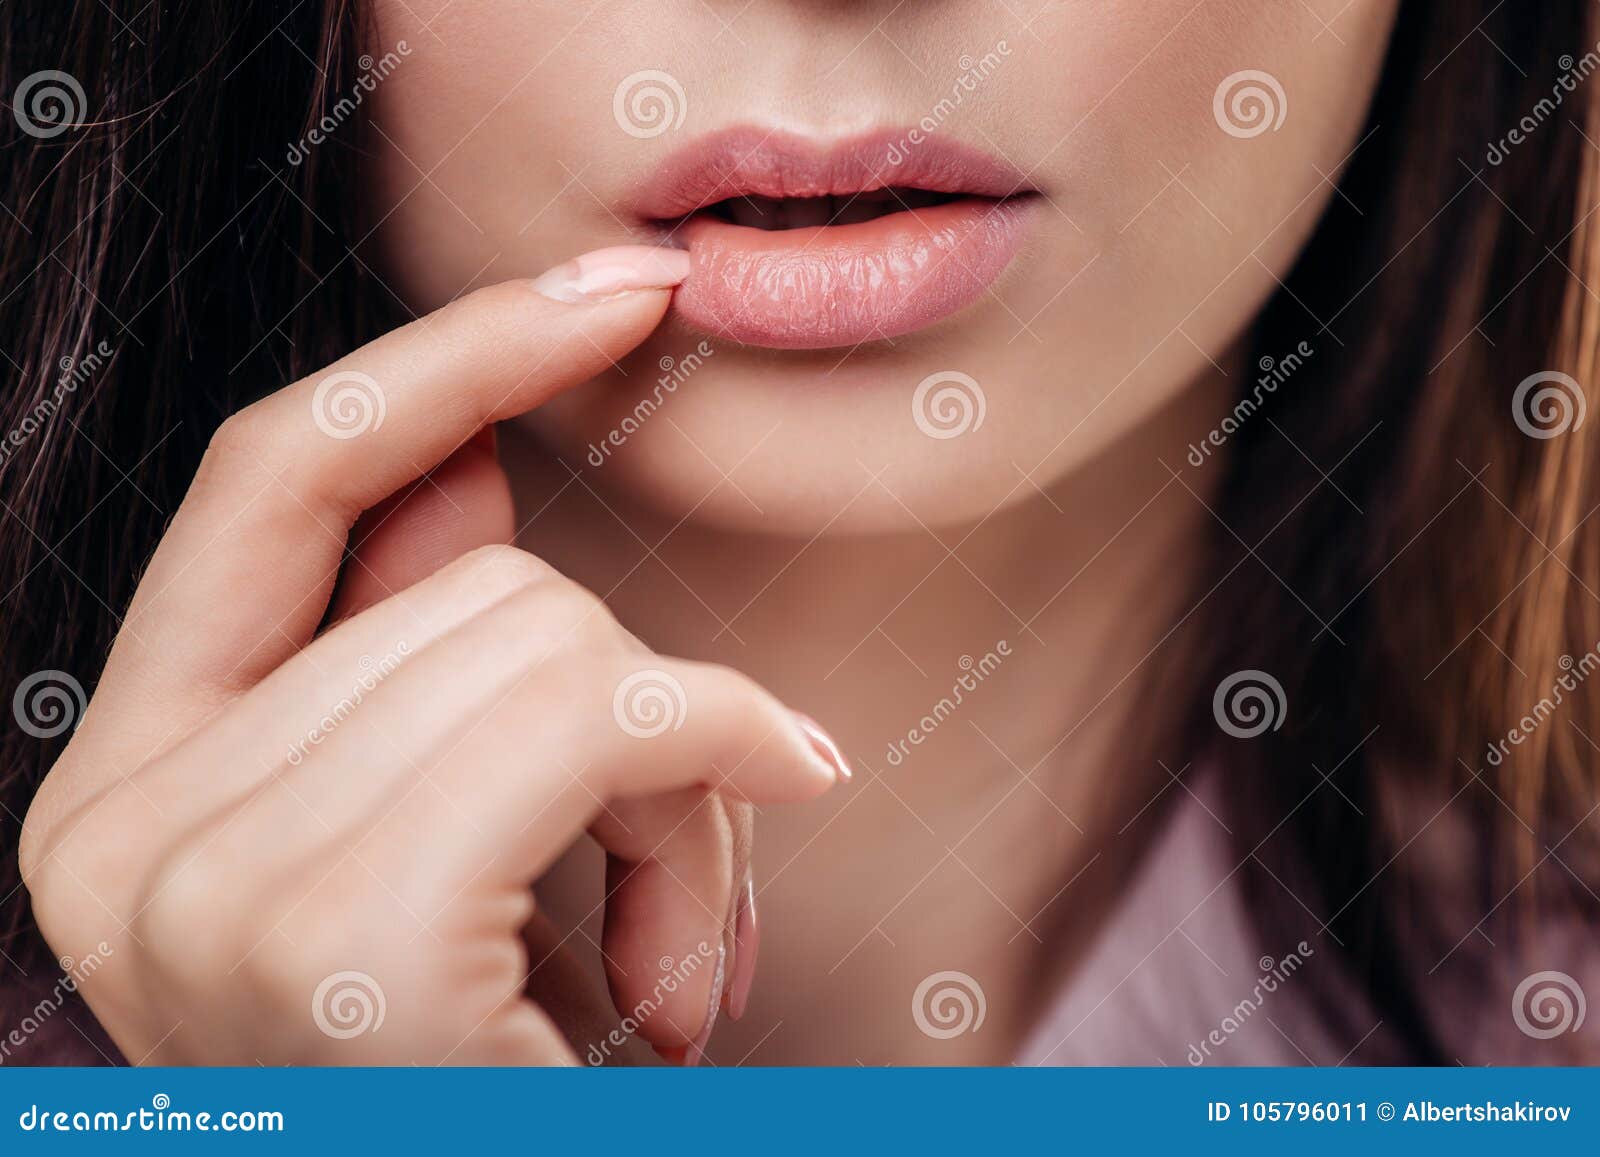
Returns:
<point x="304" y="847"/>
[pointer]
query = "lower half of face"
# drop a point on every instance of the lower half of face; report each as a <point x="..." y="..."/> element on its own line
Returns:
<point x="944" y="254"/>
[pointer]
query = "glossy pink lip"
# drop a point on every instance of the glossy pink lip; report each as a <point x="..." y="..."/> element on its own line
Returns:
<point x="835" y="285"/>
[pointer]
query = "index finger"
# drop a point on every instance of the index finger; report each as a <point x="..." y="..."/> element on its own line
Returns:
<point x="243" y="576"/>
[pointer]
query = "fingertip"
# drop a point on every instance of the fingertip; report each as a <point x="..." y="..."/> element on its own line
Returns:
<point x="675" y="1055"/>
<point x="607" y="274"/>
<point x="825" y="748"/>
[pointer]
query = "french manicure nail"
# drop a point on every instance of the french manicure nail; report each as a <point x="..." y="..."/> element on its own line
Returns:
<point x="697" y="1048"/>
<point x="747" y="942"/>
<point x="824" y="745"/>
<point x="608" y="273"/>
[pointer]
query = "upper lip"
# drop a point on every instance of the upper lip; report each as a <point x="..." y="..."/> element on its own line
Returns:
<point x="750" y="161"/>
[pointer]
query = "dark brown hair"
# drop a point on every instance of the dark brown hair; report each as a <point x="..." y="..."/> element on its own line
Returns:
<point x="1410" y="553"/>
<point x="168" y="262"/>
<point x="1402" y="558"/>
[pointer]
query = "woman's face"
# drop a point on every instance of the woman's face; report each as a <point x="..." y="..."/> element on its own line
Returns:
<point x="1088" y="202"/>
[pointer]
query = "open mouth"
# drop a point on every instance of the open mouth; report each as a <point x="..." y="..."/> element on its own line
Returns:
<point x="775" y="214"/>
<point x="800" y="245"/>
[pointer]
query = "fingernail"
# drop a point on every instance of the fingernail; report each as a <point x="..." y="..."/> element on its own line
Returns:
<point x="747" y="942"/>
<point x="822" y="743"/>
<point x="697" y="1048"/>
<point x="673" y="1055"/>
<point x="608" y="273"/>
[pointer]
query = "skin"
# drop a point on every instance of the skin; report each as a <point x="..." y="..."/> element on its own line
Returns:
<point x="779" y="489"/>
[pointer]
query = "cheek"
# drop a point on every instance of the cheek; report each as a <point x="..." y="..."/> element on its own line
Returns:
<point x="1194" y="150"/>
<point x="488" y="145"/>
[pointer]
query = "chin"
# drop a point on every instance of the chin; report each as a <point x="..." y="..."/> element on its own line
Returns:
<point x="794" y="453"/>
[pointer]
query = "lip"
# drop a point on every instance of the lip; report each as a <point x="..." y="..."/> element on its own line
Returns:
<point x="835" y="285"/>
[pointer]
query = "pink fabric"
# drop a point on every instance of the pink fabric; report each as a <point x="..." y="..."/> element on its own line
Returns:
<point x="1176" y="977"/>
<point x="1178" y="963"/>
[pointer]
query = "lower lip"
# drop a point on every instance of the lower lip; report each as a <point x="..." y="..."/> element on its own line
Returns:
<point x="842" y="285"/>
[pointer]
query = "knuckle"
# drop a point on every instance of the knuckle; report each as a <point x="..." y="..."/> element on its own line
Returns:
<point x="47" y="895"/>
<point x="560" y="612"/>
<point x="190" y="924"/>
<point x="319" y="939"/>
<point x="238" y="436"/>
<point x="59" y="824"/>
<point x="237" y="445"/>
<point x="32" y="846"/>
<point x="508" y="566"/>
<point x="66" y="874"/>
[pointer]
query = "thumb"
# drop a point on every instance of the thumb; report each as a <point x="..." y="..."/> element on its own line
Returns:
<point x="463" y="504"/>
